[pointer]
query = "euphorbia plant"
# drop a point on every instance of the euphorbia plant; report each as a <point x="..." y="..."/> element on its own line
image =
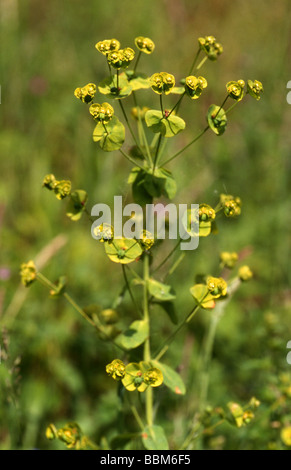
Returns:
<point x="141" y="139"/>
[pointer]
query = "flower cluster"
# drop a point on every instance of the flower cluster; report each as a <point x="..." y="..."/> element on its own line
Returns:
<point x="86" y="93"/>
<point x="104" y="232"/>
<point x="135" y="376"/>
<point x="210" y="46"/>
<point x="162" y="82"/>
<point x="245" y="273"/>
<point x="28" y="273"/>
<point x="121" y="58"/>
<point x="101" y="112"/>
<point x="231" y="205"/>
<point x="107" y="45"/>
<point x="217" y="286"/>
<point x="194" y="86"/>
<point x="228" y="259"/>
<point x="145" y="45"/>
<point x="61" y="188"/>
<point x="255" y="88"/>
<point x="236" y="89"/>
<point x="206" y="213"/>
<point x="146" y="240"/>
<point x="70" y="434"/>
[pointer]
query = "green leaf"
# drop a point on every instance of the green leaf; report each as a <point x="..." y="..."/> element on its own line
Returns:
<point x="110" y="138"/>
<point x="169" y="307"/>
<point x="134" y="336"/>
<point x="167" y="127"/>
<point x="216" y="119"/>
<point x="138" y="81"/>
<point x="171" y="378"/>
<point x="202" y="296"/>
<point x="123" y="250"/>
<point x="161" y="183"/>
<point x="160" y="291"/>
<point x="153" y="438"/>
<point x="108" y="87"/>
<point x="77" y="203"/>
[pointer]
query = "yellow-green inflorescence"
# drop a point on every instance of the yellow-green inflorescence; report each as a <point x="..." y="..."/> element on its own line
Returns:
<point x="217" y="286"/>
<point x="228" y="259"/>
<point x="210" y="46"/>
<point x="145" y="45"/>
<point x="162" y="82"/>
<point x="236" y="89"/>
<point x="28" y="273"/>
<point x="231" y="205"/>
<point x="86" y="93"/>
<point x="194" y="86"/>
<point x="121" y="58"/>
<point x="255" y="89"/>
<point x="61" y="188"/>
<point x="107" y="45"/>
<point x="135" y="376"/>
<point x="101" y="112"/>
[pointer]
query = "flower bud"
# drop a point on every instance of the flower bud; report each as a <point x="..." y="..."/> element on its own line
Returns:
<point x="244" y="273"/>
<point x="121" y="58"/>
<point x="145" y="45"/>
<point x="210" y="46"/>
<point x="51" y="432"/>
<point x="116" y="369"/>
<point x="28" y="273"/>
<point x="86" y="93"/>
<point x="49" y="182"/>
<point x="255" y="88"/>
<point x="228" y="259"/>
<point x="70" y="434"/>
<point x="101" y="112"/>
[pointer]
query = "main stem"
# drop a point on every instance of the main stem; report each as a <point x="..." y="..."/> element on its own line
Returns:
<point x="147" y="349"/>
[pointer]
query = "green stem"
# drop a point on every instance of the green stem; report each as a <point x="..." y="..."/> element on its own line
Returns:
<point x="177" y="105"/>
<point x="130" y="159"/>
<point x="202" y="62"/>
<point x="129" y="126"/>
<point x="194" y="61"/>
<point x="186" y="146"/>
<point x="137" y="60"/>
<point x="161" y="104"/>
<point x="129" y="288"/>
<point x="147" y="350"/>
<point x="142" y="134"/>
<point x="169" y="340"/>
<point x="157" y="153"/>
<point x="167" y="257"/>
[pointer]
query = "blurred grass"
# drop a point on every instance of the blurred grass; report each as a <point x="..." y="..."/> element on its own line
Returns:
<point x="47" y="51"/>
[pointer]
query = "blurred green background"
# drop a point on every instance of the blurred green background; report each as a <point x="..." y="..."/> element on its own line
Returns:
<point x="52" y="362"/>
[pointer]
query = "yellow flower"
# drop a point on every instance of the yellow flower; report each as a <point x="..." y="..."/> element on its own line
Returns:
<point x="244" y="273"/>
<point x="104" y="232"/>
<point x="228" y="259"/>
<point x="62" y="189"/>
<point x="206" y="213"/>
<point x="255" y="88"/>
<point x="86" y="93"/>
<point x="101" y="112"/>
<point x="116" y="369"/>
<point x="107" y="45"/>
<point x="146" y="240"/>
<point x="236" y="89"/>
<point x="194" y="86"/>
<point x="231" y="205"/>
<point x="162" y="82"/>
<point x="286" y="435"/>
<point x="49" y="181"/>
<point x="28" y="273"/>
<point x="153" y="377"/>
<point x="217" y="286"/>
<point x="210" y="46"/>
<point x="145" y="45"/>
